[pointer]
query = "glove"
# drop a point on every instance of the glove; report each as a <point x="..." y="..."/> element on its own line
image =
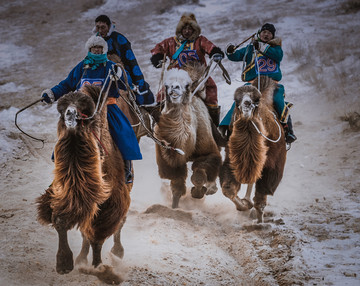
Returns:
<point x="217" y="57"/>
<point x="157" y="60"/>
<point x="46" y="98"/>
<point x="256" y="45"/>
<point x="230" y="49"/>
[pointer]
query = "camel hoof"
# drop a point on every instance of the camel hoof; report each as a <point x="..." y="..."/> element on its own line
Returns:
<point x="198" y="193"/>
<point x="81" y="260"/>
<point x="118" y="251"/>
<point x="242" y="204"/>
<point x="64" y="263"/>
<point x="199" y="177"/>
<point x="211" y="190"/>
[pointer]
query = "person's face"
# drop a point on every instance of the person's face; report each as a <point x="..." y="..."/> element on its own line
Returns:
<point x="102" y="28"/>
<point x="187" y="31"/>
<point x="98" y="50"/>
<point x="266" y="36"/>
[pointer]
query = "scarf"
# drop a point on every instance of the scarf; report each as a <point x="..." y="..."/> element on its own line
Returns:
<point x="94" y="60"/>
<point x="179" y="50"/>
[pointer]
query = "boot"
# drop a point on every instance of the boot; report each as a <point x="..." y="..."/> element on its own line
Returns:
<point x="214" y="114"/>
<point x="128" y="172"/>
<point x="289" y="132"/>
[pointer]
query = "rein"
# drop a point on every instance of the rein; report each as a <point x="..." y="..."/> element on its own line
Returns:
<point x="84" y="116"/>
<point x="21" y="110"/>
<point x="263" y="135"/>
<point x="134" y="107"/>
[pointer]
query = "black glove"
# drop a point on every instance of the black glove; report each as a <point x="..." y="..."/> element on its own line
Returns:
<point x="256" y="45"/>
<point x="216" y="54"/>
<point x="230" y="49"/>
<point x="46" y="98"/>
<point x="217" y="57"/>
<point x="157" y="60"/>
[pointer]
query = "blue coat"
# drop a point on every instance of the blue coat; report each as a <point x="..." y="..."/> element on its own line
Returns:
<point x="268" y="59"/>
<point x="119" y="44"/>
<point x="119" y="126"/>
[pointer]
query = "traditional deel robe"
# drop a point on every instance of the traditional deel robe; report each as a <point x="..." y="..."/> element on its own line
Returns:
<point x="119" y="126"/>
<point x="192" y="51"/>
<point x="267" y="63"/>
<point x="119" y="44"/>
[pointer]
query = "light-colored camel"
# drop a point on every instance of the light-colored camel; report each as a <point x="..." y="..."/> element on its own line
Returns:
<point x="185" y="124"/>
<point x="256" y="151"/>
<point x="88" y="190"/>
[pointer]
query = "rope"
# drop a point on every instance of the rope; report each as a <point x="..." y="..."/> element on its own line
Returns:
<point x="263" y="135"/>
<point x="205" y="76"/>
<point x="21" y="110"/>
<point x="134" y="107"/>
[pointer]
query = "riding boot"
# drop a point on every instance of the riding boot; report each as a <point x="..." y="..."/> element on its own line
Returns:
<point x="128" y="172"/>
<point x="214" y="114"/>
<point x="289" y="132"/>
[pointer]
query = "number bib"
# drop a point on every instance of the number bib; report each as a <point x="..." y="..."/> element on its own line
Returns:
<point x="188" y="55"/>
<point x="91" y="81"/>
<point x="266" y="66"/>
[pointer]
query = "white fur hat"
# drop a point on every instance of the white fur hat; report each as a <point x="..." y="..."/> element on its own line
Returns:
<point x="96" y="41"/>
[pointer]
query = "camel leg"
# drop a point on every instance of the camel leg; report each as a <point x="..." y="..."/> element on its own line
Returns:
<point x="259" y="205"/>
<point x="211" y="188"/>
<point x="178" y="189"/>
<point x="198" y="178"/>
<point x="64" y="256"/>
<point x="85" y="247"/>
<point x="118" y="249"/>
<point x="96" y="248"/>
<point x="245" y="203"/>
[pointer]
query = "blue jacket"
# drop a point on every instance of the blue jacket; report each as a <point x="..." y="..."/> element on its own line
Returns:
<point x="119" y="44"/>
<point x="119" y="126"/>
<point x="268" y="59"/>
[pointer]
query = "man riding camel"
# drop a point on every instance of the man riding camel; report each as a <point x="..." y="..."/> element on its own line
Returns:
<point x="97" y="70"/>
<point x="119" y="45"/>
<point x="189" y="45"/>
<point x="267" y="62"/>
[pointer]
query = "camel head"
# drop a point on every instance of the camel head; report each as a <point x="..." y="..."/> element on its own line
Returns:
<point x="247" y="100"/>
<point x="75" y="106"/>
<point x="177" y="87"/>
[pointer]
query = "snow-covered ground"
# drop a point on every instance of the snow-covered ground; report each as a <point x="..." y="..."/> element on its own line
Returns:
<point x="312" y="233"/>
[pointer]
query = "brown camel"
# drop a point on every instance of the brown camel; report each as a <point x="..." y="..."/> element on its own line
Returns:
<point x="256" y="151"/>
<point x="185" y="124"/>
<point x="88" y="190"/>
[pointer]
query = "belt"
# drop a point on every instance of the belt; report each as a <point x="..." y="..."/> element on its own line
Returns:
<point x="111" y="100"/>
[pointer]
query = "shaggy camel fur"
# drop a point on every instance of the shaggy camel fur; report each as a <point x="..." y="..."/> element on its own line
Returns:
<point x="250" y="158"/>
<point x="88" y="190"/>
<point x="185" y="124"/>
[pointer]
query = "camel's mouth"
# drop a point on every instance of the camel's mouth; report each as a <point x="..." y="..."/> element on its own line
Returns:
<point x="70" y="117"/>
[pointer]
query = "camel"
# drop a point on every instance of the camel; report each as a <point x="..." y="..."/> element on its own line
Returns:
<point x="256" y="151"/>
<point x="88" y="190"/>
<point x="185" y="124"/>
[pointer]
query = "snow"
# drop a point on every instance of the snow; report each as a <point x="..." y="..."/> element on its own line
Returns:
<point x="204" y="242"/>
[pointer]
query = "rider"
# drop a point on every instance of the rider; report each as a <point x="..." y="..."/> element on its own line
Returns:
<point x="118" y="44"/>
<point x="94" y="69"/>
<point x="189" y="45"/>
<point x="267" y="62"/>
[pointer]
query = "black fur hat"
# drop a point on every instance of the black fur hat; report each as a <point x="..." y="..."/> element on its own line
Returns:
<point x="269" y="27"/>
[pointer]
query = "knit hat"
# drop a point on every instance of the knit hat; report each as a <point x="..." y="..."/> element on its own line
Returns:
<point x="188" y="19"/>
<point x="269" y="27"/>
<point x="96" y="41"/>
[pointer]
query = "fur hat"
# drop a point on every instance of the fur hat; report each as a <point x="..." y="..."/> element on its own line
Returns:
<point x="188" y="19"/>
<point x="269" y="27"/>
<point x="96" y="41"/>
